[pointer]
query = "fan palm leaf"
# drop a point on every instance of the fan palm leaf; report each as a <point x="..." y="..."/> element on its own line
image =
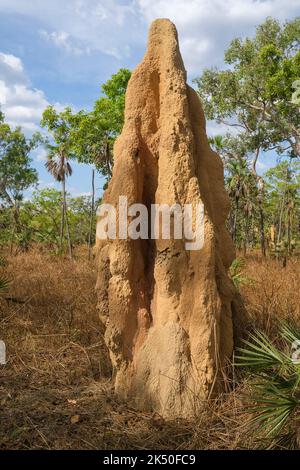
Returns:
<point x="4" y="284"/>
<point x="59" y="168"/>
<point x="275" y="397"/>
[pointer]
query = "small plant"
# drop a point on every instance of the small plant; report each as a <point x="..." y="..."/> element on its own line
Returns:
<point x="275" y="385"/>
<point x="4" y="282"/>
<point x="4" y="285"/>
<point x="2" y="262"/>
<point x="237" y="275"/>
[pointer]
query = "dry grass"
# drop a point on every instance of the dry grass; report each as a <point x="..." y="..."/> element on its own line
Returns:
<point x="275" y="293"/>
<point x="55" y="390"/>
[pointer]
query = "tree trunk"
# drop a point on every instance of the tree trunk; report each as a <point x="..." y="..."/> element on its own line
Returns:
<point x="280" y="219"/>
<point x="62" y="219"/>
<point x="68" y="234"/>
<point x="246" y="234"/>
<point x="16" y="225"/>
<point x="277" y="247"/>
<point x="260" y="186"/>
<point x="92" y="214"/>
<point x="262" y="230"/>
<point x="261" y="215"/>
<point x="289" y="231"/>
<point x="65" y="219"/>
<point x="234" y="235"/>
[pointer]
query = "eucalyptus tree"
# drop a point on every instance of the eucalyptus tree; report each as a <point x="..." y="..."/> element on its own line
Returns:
<point x="94" y="132"/>
<point x="16" y="171"/>
<point x="253" y="94"/>
<point x="256" y="92"/>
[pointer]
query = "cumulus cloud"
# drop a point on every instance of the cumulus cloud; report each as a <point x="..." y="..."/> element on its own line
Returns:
<point x="40" y="154"/>
<point x="21" y="104"/>
<point x="82" y="26"/>
<point x="63" y="40"/>
<point x="206" y="27"/>
<point x="11" y="68"/>
<point x="117" y="27"/>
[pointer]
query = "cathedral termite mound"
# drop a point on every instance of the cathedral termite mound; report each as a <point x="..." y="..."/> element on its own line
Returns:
<point x="168" y="312"/>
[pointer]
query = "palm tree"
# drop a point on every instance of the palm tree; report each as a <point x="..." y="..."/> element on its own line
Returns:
<point x="60" y="168"/>
<point x="218" y="144"/>
<point x="238" y="184"/>
<point x="283" y="190"/>
<point x="59" y="124"/>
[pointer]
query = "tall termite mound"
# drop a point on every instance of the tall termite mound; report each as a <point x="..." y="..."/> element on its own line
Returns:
<point x="168" y="312"/>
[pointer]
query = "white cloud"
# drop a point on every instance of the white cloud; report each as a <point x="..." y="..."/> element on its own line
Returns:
<point x="206" y="27"/>
<point x="81" y="194"/>
<point x="116" y="27"/>
<point x="63" y="40"/>
<point x="11" y="68"/>
<point x="12" y="62"/>
<point x="261" y="166"/>
<point x="81" y="26"/>
<point x="40" y="155"/>
<point x="46" y="184"/>
<point x="213" y="129"/>
<point x="21" y="104"/>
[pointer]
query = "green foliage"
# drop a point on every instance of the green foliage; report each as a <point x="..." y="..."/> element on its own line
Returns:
<point x="16" y="173"/>
<point x="237" y="275"/>
<point x="59" y="150"/>
<point x="254" y="93"/>
<point x="40" y="220"/>
<point x="275" y="383"/>
<point x="94" y="132"/>
<point x="240" y="184"/>
<point x="282" y="205"/>
<point x="4" y="282"/>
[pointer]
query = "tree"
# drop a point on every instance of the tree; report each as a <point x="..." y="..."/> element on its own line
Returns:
<point x="16" y="172"/>
<point x="40" y="219"/>
<point x="217" y="142"/>
<point x="239" y="183"/>
<point x="94" y="133"/>
<point x="59" y="153"/>
<point x="254" y="94"/>
<point x="282" y="202"/>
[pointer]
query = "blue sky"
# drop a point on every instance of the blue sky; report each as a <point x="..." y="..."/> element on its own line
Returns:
<point x="60" y="51"/>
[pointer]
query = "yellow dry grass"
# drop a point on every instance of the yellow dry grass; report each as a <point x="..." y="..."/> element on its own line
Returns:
<point x="56" y="389"/>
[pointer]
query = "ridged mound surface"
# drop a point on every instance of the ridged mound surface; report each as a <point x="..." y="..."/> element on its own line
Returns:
<point x="168" y="312"/>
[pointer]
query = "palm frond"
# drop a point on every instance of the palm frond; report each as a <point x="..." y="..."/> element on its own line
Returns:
<point x="275" y="398"/>
<point x="68" y="169"/>
<point x="59" y="168"/>
<point x="237" y="275"/>
<point x="4" y="285"/>
<point x="53" y="166"/>
<point x="2" y="261"/>
<point x="288" y="441"/>
<point x="261" y="353"/>
<point x="289" y="332"/>
<point x="273" y="410"/>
